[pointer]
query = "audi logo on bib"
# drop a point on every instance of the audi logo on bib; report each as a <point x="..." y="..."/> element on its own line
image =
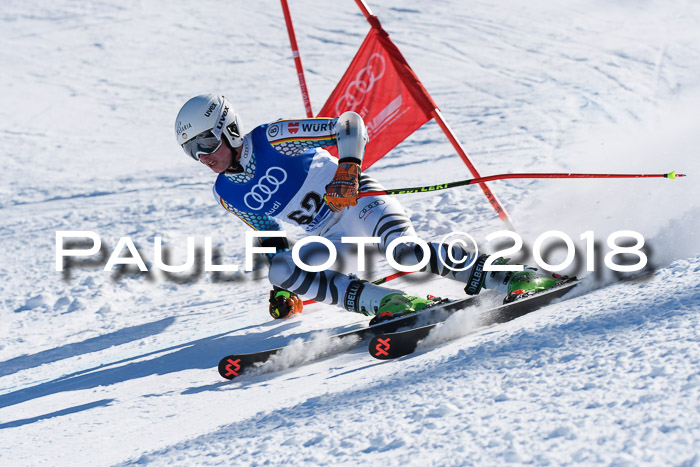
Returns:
<point x="268" y="185"/>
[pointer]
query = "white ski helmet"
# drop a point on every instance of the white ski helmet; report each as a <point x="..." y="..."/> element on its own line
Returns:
<point x="201" y="122"/>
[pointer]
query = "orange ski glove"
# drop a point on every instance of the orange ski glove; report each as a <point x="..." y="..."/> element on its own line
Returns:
<point x="342" y="191"/>
<point x="284" y="304"/>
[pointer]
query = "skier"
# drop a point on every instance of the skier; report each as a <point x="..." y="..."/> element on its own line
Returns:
<point x="279" y="173"/>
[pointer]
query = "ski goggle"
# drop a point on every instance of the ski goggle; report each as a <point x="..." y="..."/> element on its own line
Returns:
<point x="203" y="143"/>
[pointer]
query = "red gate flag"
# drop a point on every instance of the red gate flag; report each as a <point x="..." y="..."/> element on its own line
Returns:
<point x="381" y="87"/>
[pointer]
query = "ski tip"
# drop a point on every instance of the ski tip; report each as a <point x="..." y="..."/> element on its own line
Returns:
<point x="380" y="348"/>
<point x="230" y="367"/>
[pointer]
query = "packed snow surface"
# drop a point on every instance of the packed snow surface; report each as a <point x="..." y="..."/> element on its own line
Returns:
<point x="104" y="368"/>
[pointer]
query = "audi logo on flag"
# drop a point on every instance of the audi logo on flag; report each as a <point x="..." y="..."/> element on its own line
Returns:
<point x="380" y="86"/>
<point x="268" y="185"/>
<point x="362" y="84"/>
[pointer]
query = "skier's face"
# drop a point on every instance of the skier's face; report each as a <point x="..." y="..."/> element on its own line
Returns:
<point x="219" y="160"/>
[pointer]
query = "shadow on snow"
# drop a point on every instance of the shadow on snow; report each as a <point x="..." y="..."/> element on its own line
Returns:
<point x="202" y="353"/>
<point x="58" y="413"/>
<point x="94" y="344"/>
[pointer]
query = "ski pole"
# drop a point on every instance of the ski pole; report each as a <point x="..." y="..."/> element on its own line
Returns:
<point x="381" y="280"/>
<point x="421" y="189"/>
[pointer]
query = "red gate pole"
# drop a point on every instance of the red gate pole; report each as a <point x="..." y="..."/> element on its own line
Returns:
<point x="437" y="115"/>
<point x="297" y="58"/>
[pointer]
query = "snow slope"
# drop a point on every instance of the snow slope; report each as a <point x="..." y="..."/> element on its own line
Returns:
<point x="99" y="368"/>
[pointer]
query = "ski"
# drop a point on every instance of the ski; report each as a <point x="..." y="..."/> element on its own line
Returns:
<point x="389" y="345"/>
<point x="232" y="366"/>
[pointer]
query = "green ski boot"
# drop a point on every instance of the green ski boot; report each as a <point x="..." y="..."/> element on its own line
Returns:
<point x="398" y="305"/>
<point x="520" y="284"/>
<point x="528" y="282"/>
